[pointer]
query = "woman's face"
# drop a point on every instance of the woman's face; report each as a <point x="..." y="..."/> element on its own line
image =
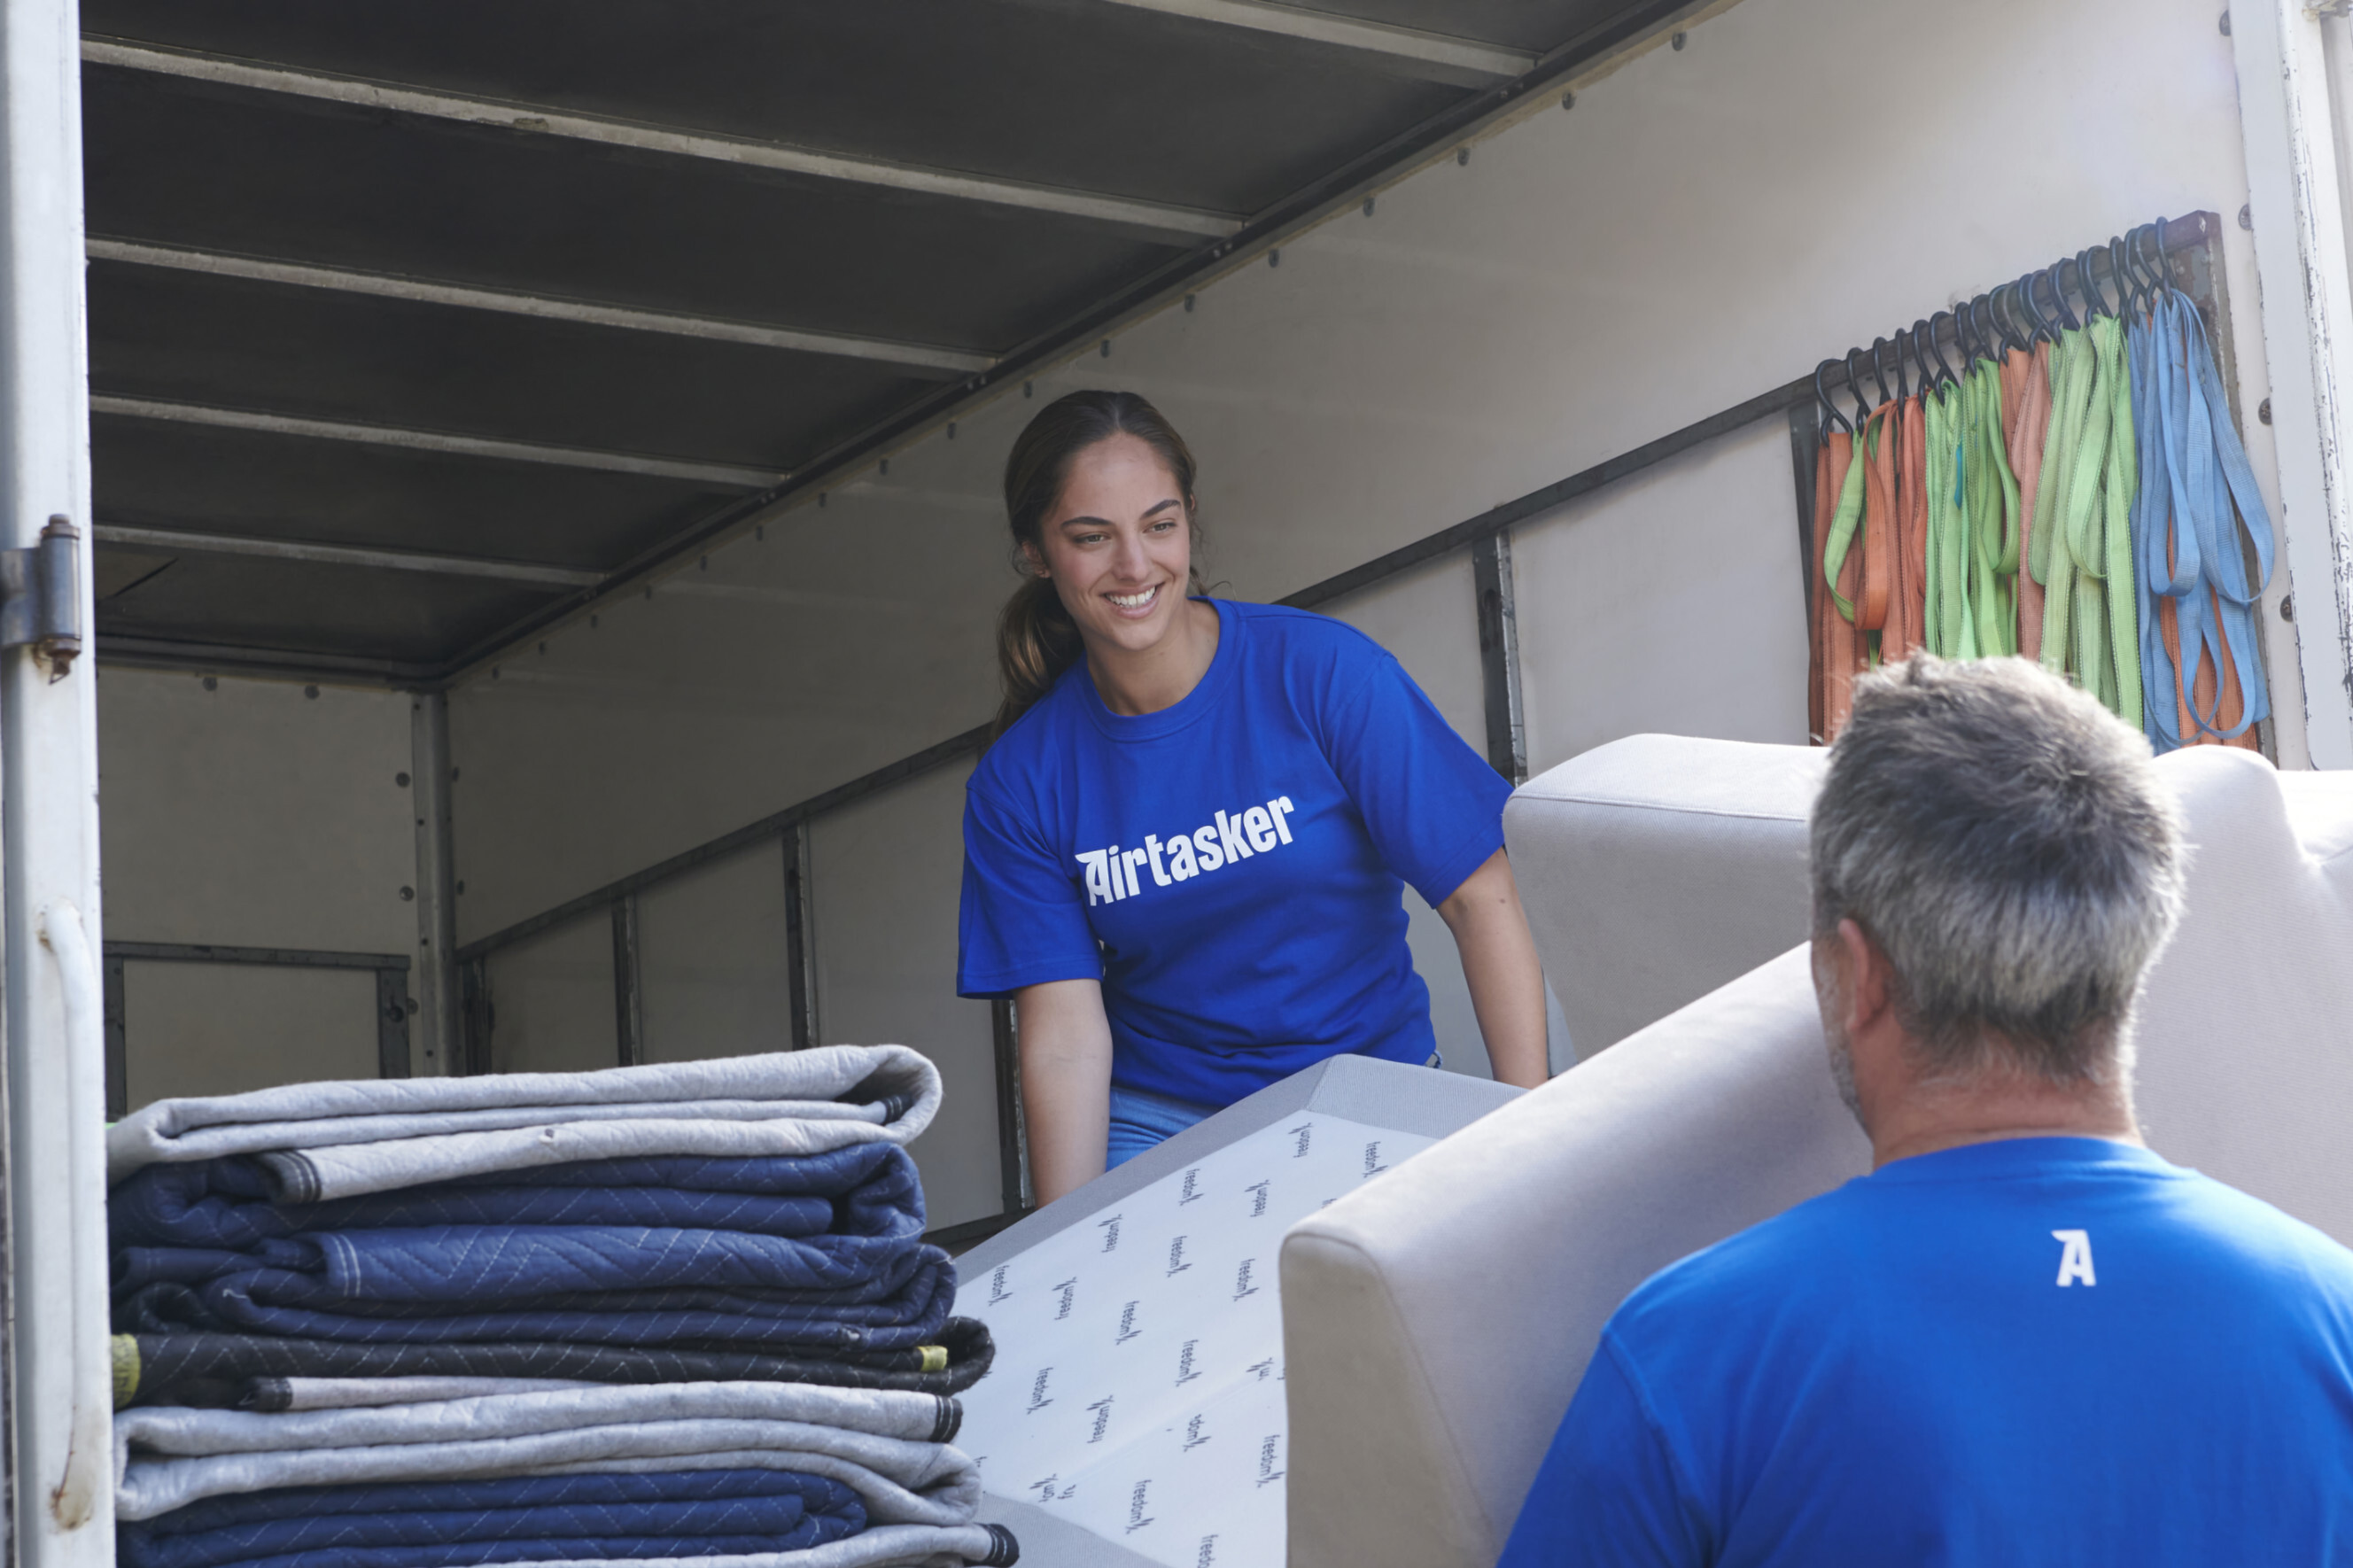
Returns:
<point x="1118" y="544"/>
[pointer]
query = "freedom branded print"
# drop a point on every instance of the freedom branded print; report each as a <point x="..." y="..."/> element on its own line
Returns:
<point x="1139" y="1389"/>
<point x="1233" y="867"/>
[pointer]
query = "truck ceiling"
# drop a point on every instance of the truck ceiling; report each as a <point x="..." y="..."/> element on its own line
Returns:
<point x="415" y="329"/>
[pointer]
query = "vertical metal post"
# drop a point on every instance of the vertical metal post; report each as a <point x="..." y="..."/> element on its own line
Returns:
<point x="1499" y="656"/>
<point x="2291" y="144"/>
<point x="431" y="774"/>
<point x="57" y="1367"/>
<point x="117" y="1044"/>
<point x="629" y="1002"/>
<point x="392" y="1022"/>
<point x="1804" y="434"/>
<point x="1012" y="1125"/>
<point x="796" y="936"/>
<point x="477" y="1017"/>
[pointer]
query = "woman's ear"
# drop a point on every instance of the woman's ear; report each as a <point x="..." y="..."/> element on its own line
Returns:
<point x="1033" y="563"/>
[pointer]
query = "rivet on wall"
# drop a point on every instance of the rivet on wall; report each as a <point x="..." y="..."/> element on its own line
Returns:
<point x="1369" y="207"/>
<point x="1106" y="347"/>
<point x="400" y="780"/>
<point x="2226" y="24"/>
<point x="759" y="533"/>
<point x="2247" y="216"/>
<point x="951" y="429"/>
<point x="211" y="683"/>
<point x="1274" y="257"/>
<point x="407" y="894"/>
<point x="883" y="466"/>
<point x="1462" y="157"/>
<point x="592" y="623"/>
<point x="1568" y="100"/>
<point x="1027" y="390"/>
<point x="309" y="691"/>
<point x="1188" y="304"/>
<point x="2263" y="411"/>
<point x="1678" y="40"/>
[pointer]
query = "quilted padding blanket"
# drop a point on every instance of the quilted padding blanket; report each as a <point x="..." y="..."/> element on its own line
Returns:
<point x="312" y="1294"/>
<point x="252" y="1371"/>
<point x="890" y="1448"/>
<point x="866" y="1190"/>
<point x="444" y="1524"/>
<point x="321" y="1141"/>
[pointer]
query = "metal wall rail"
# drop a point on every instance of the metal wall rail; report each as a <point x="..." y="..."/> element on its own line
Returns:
<point x="393" y="1006"/>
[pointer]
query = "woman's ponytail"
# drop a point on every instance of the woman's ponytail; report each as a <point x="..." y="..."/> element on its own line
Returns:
<point x="1037" y="641"/>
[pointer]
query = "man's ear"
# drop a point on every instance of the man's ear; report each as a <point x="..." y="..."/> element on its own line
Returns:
<point x="1868" y="973"/>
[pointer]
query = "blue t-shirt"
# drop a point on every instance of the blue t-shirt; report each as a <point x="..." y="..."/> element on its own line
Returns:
<point x="1229" y="866"/>
<point x="2045" y="1350"/>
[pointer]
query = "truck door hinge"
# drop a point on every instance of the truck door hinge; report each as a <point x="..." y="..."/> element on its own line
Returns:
<point x="40" y="597"/>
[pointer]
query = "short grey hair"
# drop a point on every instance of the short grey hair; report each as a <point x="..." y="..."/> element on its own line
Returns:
<point x="2007" y="843"/>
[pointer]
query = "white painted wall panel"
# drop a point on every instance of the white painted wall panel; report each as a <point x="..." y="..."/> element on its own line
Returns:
<point x="1693" y="563"/>
<point x="252" y="816"/>
<point x="204" y="1028"/>
<point x="712" y="954"/>
<point x="883" y="877"/>
<point x="551" y="997"/>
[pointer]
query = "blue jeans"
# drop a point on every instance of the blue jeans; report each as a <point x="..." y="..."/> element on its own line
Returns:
<point x="1140" y="1120"/>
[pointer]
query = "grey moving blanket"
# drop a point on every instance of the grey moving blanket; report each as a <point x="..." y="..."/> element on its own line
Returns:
<point x="250" y="1371"/>
<point x="321" y="1142"/>
<point x="773" y="1516"/>
<point x="890" y="1448"/>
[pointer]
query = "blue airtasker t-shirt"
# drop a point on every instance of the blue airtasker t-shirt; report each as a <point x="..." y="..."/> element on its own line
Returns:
<point x="2045" y="1351"/>
<point x="1230" y="866"/>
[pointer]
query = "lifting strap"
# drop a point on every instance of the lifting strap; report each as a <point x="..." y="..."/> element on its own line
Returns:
<point x="1836" y="476"/>
<point x="2202" y="515"/>
<point x="1905" y="614"/>
<point x="1950" y="633"/>
<point x="2026" y="414"/>
<point x="2052" y="562"/>
<point x="1989" y="495"/>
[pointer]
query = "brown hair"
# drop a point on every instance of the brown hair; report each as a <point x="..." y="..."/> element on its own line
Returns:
<point x="1036" y="640"/>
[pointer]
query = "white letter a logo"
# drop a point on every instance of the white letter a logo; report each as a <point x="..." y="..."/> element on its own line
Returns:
<point x="2075" y="1262"/>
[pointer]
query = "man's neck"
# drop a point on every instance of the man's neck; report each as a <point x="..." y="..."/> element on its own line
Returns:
<point x="1928" y="1121"/>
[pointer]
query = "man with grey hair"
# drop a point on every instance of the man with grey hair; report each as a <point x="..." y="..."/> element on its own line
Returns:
<point x="2024" y="1339"/>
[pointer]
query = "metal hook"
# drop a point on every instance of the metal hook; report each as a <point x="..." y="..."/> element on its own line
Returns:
<point x="1854" y="384"/>
<point x="1981" y="318"/>
<point x="1965" y="337"/>
<point x="1829" y="407"/>
<point x="1924" y="333"/>
<point x="1878" y="379"/>
<point x="2004" y="322"/>
<point x="2095" y="298"/>
<point x="2066" y="313"/>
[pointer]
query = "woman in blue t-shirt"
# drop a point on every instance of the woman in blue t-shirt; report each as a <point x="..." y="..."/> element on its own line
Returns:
<point x="1185" y="852"/>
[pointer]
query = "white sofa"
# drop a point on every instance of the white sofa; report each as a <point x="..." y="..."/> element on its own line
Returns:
<point x="1436" y="1322"/>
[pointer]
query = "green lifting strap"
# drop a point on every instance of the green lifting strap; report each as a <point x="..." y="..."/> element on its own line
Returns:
<point x="1846" y="520"/>
<point x="2052" y="564"/>
<point x="1945" y="624"/>
<point x="1992" y="506"/>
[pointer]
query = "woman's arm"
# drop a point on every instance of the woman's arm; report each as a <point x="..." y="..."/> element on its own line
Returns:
<point x="1066" y="1081"/>
<point x="1499" y="960"/>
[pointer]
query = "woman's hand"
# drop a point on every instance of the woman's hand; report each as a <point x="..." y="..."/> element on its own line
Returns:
<point x="1066" y="1081"/>
<point x="1499" y="961"/>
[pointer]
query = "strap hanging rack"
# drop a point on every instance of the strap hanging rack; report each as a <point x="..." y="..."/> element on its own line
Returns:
<point x="2069" y="486"/>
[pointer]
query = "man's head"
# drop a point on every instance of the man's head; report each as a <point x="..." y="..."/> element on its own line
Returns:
<point x="1995" y="864"/>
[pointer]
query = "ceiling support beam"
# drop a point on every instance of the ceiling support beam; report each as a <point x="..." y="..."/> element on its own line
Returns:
<point x="188" y="543"/>
<point x="720" y="475"/>
<point x="1158" y="219"/>
<point x="1463" y="62"/>
<point x="938" y="363"/>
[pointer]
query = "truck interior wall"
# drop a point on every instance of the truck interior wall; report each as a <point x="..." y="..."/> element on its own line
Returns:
<point x="1703" y="225"/>
<point x="252" y="815"/>
<point x="884" y="874"/>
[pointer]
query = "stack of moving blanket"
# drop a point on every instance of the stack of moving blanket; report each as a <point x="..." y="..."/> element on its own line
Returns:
<point x="656" y="1313"/>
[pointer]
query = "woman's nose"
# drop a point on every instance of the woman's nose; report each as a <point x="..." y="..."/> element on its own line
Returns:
<point x="1130" y="560"/>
